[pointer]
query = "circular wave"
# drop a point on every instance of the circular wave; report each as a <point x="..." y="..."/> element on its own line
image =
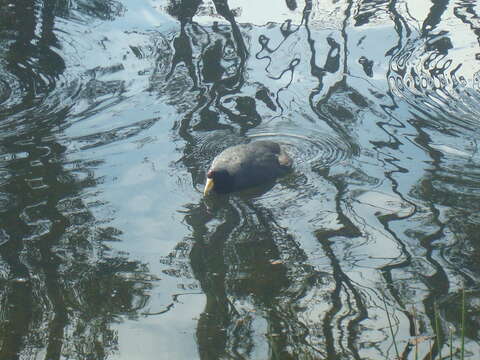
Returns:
<point x="11" y="93"/>
<point x="318" y="149"/>
<point x="212" y="143"/>
<point x="443" y="89"/>
<point x="5" y="91"/>
<point x="199" y="153"/>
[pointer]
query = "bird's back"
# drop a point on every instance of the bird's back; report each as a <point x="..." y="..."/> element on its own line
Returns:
<point x="253" y="163"/>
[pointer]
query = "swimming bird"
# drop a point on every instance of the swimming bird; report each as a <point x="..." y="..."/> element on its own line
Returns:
<point x="246" y="165"/>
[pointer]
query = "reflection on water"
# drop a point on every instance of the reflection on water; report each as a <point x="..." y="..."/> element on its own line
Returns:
<point x="110" y="113"/>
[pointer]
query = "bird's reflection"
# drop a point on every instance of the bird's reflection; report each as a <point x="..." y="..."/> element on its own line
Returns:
<point x="239" y="266"/>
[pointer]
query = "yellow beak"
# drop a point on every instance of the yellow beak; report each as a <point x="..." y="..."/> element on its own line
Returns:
<point x="208" y="187"/>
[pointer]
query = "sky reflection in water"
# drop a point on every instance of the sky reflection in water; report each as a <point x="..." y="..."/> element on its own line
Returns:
<point x="110" y="113"/>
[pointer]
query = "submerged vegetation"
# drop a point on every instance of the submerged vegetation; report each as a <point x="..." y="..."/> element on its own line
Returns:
<point x="433" y="350"/>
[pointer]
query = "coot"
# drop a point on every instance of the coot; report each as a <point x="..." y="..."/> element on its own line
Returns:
<point x="242" y="166"/>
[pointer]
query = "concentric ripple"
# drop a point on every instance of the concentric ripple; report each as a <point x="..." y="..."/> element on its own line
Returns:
<point x="317" y="149"/>
<point x="429" y="79"/>
<point x="11" y="93"/>
<point x="5" y="91"/>
<point x="210" y="144"/>
<point x="313" y="152"/>
<point x="207" y="146"/>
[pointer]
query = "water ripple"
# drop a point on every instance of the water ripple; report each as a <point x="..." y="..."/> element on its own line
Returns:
<point x="10" y="91"/>
<point x="5" y="91"/>
<point x="428" y="76"/>
<point x="318" y="149"/>
<point x="113" y="135"/>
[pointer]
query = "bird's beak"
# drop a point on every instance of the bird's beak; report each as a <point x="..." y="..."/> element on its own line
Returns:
<point x="208" y="187"/>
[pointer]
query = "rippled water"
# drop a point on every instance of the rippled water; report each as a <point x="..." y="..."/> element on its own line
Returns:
<point x="111" y="111"/>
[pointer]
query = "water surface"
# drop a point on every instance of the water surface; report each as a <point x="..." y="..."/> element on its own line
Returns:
<point x="110" y="113"/>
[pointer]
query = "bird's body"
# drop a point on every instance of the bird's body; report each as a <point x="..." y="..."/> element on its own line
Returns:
<point x="247" y="165"/>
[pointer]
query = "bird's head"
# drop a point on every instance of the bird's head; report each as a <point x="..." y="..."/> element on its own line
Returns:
<point x="218" y="180"/>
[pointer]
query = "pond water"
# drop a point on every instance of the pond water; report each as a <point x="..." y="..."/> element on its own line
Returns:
<point x="110" y="113"/>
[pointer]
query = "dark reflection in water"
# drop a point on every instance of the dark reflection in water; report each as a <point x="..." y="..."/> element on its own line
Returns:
<point x="241" y="268"/>
<point x="110" y="112"/>
<point x="61" y="289"/>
